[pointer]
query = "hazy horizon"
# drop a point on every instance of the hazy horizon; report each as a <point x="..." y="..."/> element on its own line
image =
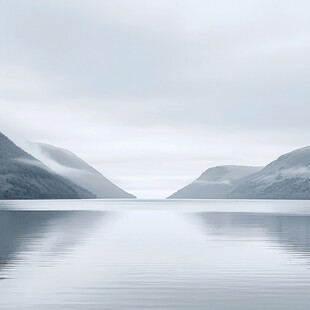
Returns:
<point x="153" y="93"/>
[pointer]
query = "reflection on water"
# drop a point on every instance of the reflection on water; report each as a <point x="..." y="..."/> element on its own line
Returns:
<point x="154" y="256"/>
<point x="289" y="231"/>
<point x="58" y="232"/>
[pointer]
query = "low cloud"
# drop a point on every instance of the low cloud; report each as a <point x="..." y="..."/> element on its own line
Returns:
<point x="223" y="182"/>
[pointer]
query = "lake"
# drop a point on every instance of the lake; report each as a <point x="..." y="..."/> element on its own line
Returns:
<point x="145" y="254"/>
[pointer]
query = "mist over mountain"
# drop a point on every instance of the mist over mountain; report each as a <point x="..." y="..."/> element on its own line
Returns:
<point x="288" y="177"/>
<point x="70" y="166"/>
<point x="41" y="171"/>
<point x="24" y="177"/>
<point x="215" y="183"/>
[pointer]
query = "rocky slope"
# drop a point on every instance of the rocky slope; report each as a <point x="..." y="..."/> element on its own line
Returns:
<point x="215" y="182"/>
<point x="70" y="166"/>
<point x="24" y="177"/>
<point x="288" y="177"/>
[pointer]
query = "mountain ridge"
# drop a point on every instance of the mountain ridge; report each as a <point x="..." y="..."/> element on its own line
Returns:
<point x="24" y="177"/>
<point x="72" y="167"/>
<point x="215" y="182"/>
<point x="287" y="177"/>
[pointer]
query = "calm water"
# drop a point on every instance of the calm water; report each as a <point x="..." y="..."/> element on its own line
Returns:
<point x="155" y="255"/>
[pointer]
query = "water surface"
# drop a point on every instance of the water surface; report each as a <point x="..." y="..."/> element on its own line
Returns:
<point x="105" y="254"/>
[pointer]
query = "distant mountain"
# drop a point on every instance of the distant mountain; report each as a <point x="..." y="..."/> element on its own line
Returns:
<point x="288" y="177"/>
<point x="215" y="183"/>
<point x="24" y="177"/>
<point x="70" y="166"/>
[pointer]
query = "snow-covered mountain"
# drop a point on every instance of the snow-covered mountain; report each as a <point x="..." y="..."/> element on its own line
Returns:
<point x="288" y="177"/>
<point x="70" y="166"/>
<point x="24" y="177"/>
<point x="215" y="182"/>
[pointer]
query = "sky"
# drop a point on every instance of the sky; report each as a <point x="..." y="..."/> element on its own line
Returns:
<point x="152" y="93"/>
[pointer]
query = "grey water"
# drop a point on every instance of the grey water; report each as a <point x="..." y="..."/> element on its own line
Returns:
<point x="135" y="254"/>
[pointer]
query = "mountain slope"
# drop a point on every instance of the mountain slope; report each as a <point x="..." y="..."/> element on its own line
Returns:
<point x="215" y="182"/>
<point x="70" y="166"/>
<point x="288" y="177"/>
<point x="24" y="177"/>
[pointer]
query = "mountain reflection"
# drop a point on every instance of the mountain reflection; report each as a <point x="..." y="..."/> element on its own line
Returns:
<point x="290" y="231"/>
<point x="58" y="232"/>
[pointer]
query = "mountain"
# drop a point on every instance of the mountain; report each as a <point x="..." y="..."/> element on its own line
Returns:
<point x="24" y="177"/>
<point x="70" y="166"/>
<point x="215" y="183"/>
<point x="288" y="177"/>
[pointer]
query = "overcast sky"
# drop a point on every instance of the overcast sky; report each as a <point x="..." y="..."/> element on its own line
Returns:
<point x="152" y="93"/>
